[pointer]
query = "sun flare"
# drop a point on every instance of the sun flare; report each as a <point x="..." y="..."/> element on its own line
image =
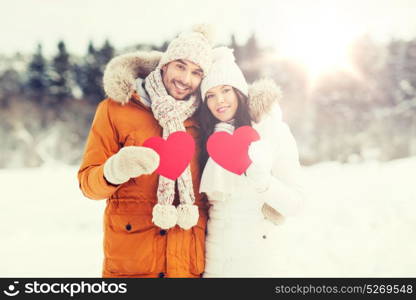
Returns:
<point x="319" y="45"/>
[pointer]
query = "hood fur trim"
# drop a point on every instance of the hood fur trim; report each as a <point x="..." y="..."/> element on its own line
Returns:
<point x="122" y="71"/>
<point x="262" y="95"/>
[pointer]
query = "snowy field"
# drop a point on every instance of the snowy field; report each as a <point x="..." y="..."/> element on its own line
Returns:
<point x="359" y="221"/>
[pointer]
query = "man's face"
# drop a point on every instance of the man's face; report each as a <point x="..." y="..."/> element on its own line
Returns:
<point x="181" y="78"/>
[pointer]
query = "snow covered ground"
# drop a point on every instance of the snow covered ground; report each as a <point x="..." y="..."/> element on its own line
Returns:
<point x="359" y="221"/>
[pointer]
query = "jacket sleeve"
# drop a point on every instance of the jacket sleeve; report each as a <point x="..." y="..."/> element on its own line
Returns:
<point x="285" y="193"/>
<point x="102" y="143"/>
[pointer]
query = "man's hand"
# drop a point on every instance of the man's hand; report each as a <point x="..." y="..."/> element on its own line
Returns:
<point x="130" y="162"/>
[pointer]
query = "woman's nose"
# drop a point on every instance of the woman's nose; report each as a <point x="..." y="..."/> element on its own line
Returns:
<point x="221" y="99"/>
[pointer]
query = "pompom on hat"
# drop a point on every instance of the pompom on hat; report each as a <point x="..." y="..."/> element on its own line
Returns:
<point x="195" y="46"/>
<point x="224" y="71"/>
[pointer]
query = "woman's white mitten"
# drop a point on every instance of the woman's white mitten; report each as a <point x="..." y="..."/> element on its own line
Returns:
<point x="130" y="162"/>
<point x="259" y="170"/>
<point x="259" y="177"/>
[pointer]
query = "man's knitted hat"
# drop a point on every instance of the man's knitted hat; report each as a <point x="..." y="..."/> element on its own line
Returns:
<point x="195" y="46"/>
<point x="224" y="71"/>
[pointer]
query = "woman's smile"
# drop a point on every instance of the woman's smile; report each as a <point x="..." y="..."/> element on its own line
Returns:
<point x="222" y="101"/>
<point x="223" y="109"/>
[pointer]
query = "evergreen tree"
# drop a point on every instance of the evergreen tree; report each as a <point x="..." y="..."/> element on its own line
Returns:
<point x="405" y="111"/>
<point x="60" y="75"/>
<point x="237" y="50"/>
<point x="366" y="56"/>
<point x="10" y="86"/>
<point x="37" y="83"/>
<point x="252" y="49"/>
<point x="89" y="76"/>
<point x="161" y="48"/>
<point x="105" y="54"/>
<point x="251" y="55"/>
<point x="410" y="68"/>
<point x="393" y="71"/>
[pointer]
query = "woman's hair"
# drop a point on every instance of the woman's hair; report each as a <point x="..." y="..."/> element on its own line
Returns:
<point x="207" y="122"/>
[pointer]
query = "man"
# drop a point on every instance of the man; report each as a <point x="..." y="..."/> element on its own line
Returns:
<point x="153" y="226"/>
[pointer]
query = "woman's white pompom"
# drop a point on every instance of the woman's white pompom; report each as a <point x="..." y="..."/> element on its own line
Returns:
<point x="188" y="215"/>
<point x="223" y="54"/>
<point x="207" y="30"/>
<point x="165" y="216"/>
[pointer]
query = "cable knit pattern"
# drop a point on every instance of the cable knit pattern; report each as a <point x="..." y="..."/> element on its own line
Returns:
<point x="224" y="71"/>
<point x="194" y="46"/>
<point x="130" y="162"/>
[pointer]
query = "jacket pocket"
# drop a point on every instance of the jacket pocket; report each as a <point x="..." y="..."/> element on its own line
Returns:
<point x="129" y="243"/>
<point x="138" y="137"/>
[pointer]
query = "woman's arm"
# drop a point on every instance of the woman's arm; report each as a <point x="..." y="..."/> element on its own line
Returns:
<point x="283" y="188"/>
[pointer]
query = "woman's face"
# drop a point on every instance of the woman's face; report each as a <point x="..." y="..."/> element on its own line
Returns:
<point x="222" y="101"/>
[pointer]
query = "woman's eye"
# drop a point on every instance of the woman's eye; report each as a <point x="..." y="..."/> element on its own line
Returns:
<point x="226" y="90"/>
<point x="210" y="96"/>
<point x="180" y="67"/>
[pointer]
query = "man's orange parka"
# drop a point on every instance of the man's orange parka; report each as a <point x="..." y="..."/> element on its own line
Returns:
<point x="133" y="245"/>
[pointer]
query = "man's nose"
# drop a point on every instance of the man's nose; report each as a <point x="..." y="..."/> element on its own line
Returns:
<point x="186" y="77"/>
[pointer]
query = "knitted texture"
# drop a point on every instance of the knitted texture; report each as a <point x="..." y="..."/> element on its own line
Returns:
<point x="171" y="115"/>
<point x="224" y="71"/>
<point x="187" y="215"/>
<point x="195" y="46"/>
<point x="130" y="162"/>
<point x="164" y="216"/>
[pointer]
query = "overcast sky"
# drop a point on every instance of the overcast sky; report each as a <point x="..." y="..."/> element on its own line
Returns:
<point x="23" y="23"/>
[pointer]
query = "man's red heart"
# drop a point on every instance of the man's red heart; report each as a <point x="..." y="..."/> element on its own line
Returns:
<point x="175" y="153"/>
<point x="231" y="151"/>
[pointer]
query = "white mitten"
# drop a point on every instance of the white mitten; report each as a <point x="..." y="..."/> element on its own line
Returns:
<point x="259" y="171"/>
<point x="130" y="162"/>
<point x="260" y="153"/>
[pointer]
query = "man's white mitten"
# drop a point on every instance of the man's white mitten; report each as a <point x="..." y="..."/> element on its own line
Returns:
<point x="130" y="162"/>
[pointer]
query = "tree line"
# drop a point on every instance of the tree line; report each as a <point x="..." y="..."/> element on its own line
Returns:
<point x="47" y="103"/>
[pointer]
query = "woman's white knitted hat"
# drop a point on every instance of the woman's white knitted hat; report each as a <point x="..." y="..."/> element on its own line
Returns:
<point x="224" y="71"/>
<point x="195" y="46"/>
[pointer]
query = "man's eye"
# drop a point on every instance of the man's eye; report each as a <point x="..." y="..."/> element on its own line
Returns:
<point x="226" y="90"/>
<point x="180" y="67"/>
<point x="210" y="96"/>
<point x="199" y="74"/>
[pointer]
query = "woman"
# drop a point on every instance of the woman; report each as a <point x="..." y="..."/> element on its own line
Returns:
<point x="244" y="207"/>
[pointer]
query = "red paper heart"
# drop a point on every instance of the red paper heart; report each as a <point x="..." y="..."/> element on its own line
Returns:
<point x="231" y="151"/>
<point x="175" y="153"/>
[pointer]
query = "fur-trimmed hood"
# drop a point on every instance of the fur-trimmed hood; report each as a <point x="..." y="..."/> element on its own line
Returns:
<point x="263" y="95"/>
<point x="122" y="71"/>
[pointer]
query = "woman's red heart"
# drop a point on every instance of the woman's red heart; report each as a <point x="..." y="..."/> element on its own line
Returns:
<point x="175" y="153"/>
<point x="231" y="151"/>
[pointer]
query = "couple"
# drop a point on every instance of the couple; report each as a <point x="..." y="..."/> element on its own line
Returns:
<point x="158" y="227"/>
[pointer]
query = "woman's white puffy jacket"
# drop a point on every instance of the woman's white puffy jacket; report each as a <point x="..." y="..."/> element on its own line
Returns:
<point x="237" y="241"/>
